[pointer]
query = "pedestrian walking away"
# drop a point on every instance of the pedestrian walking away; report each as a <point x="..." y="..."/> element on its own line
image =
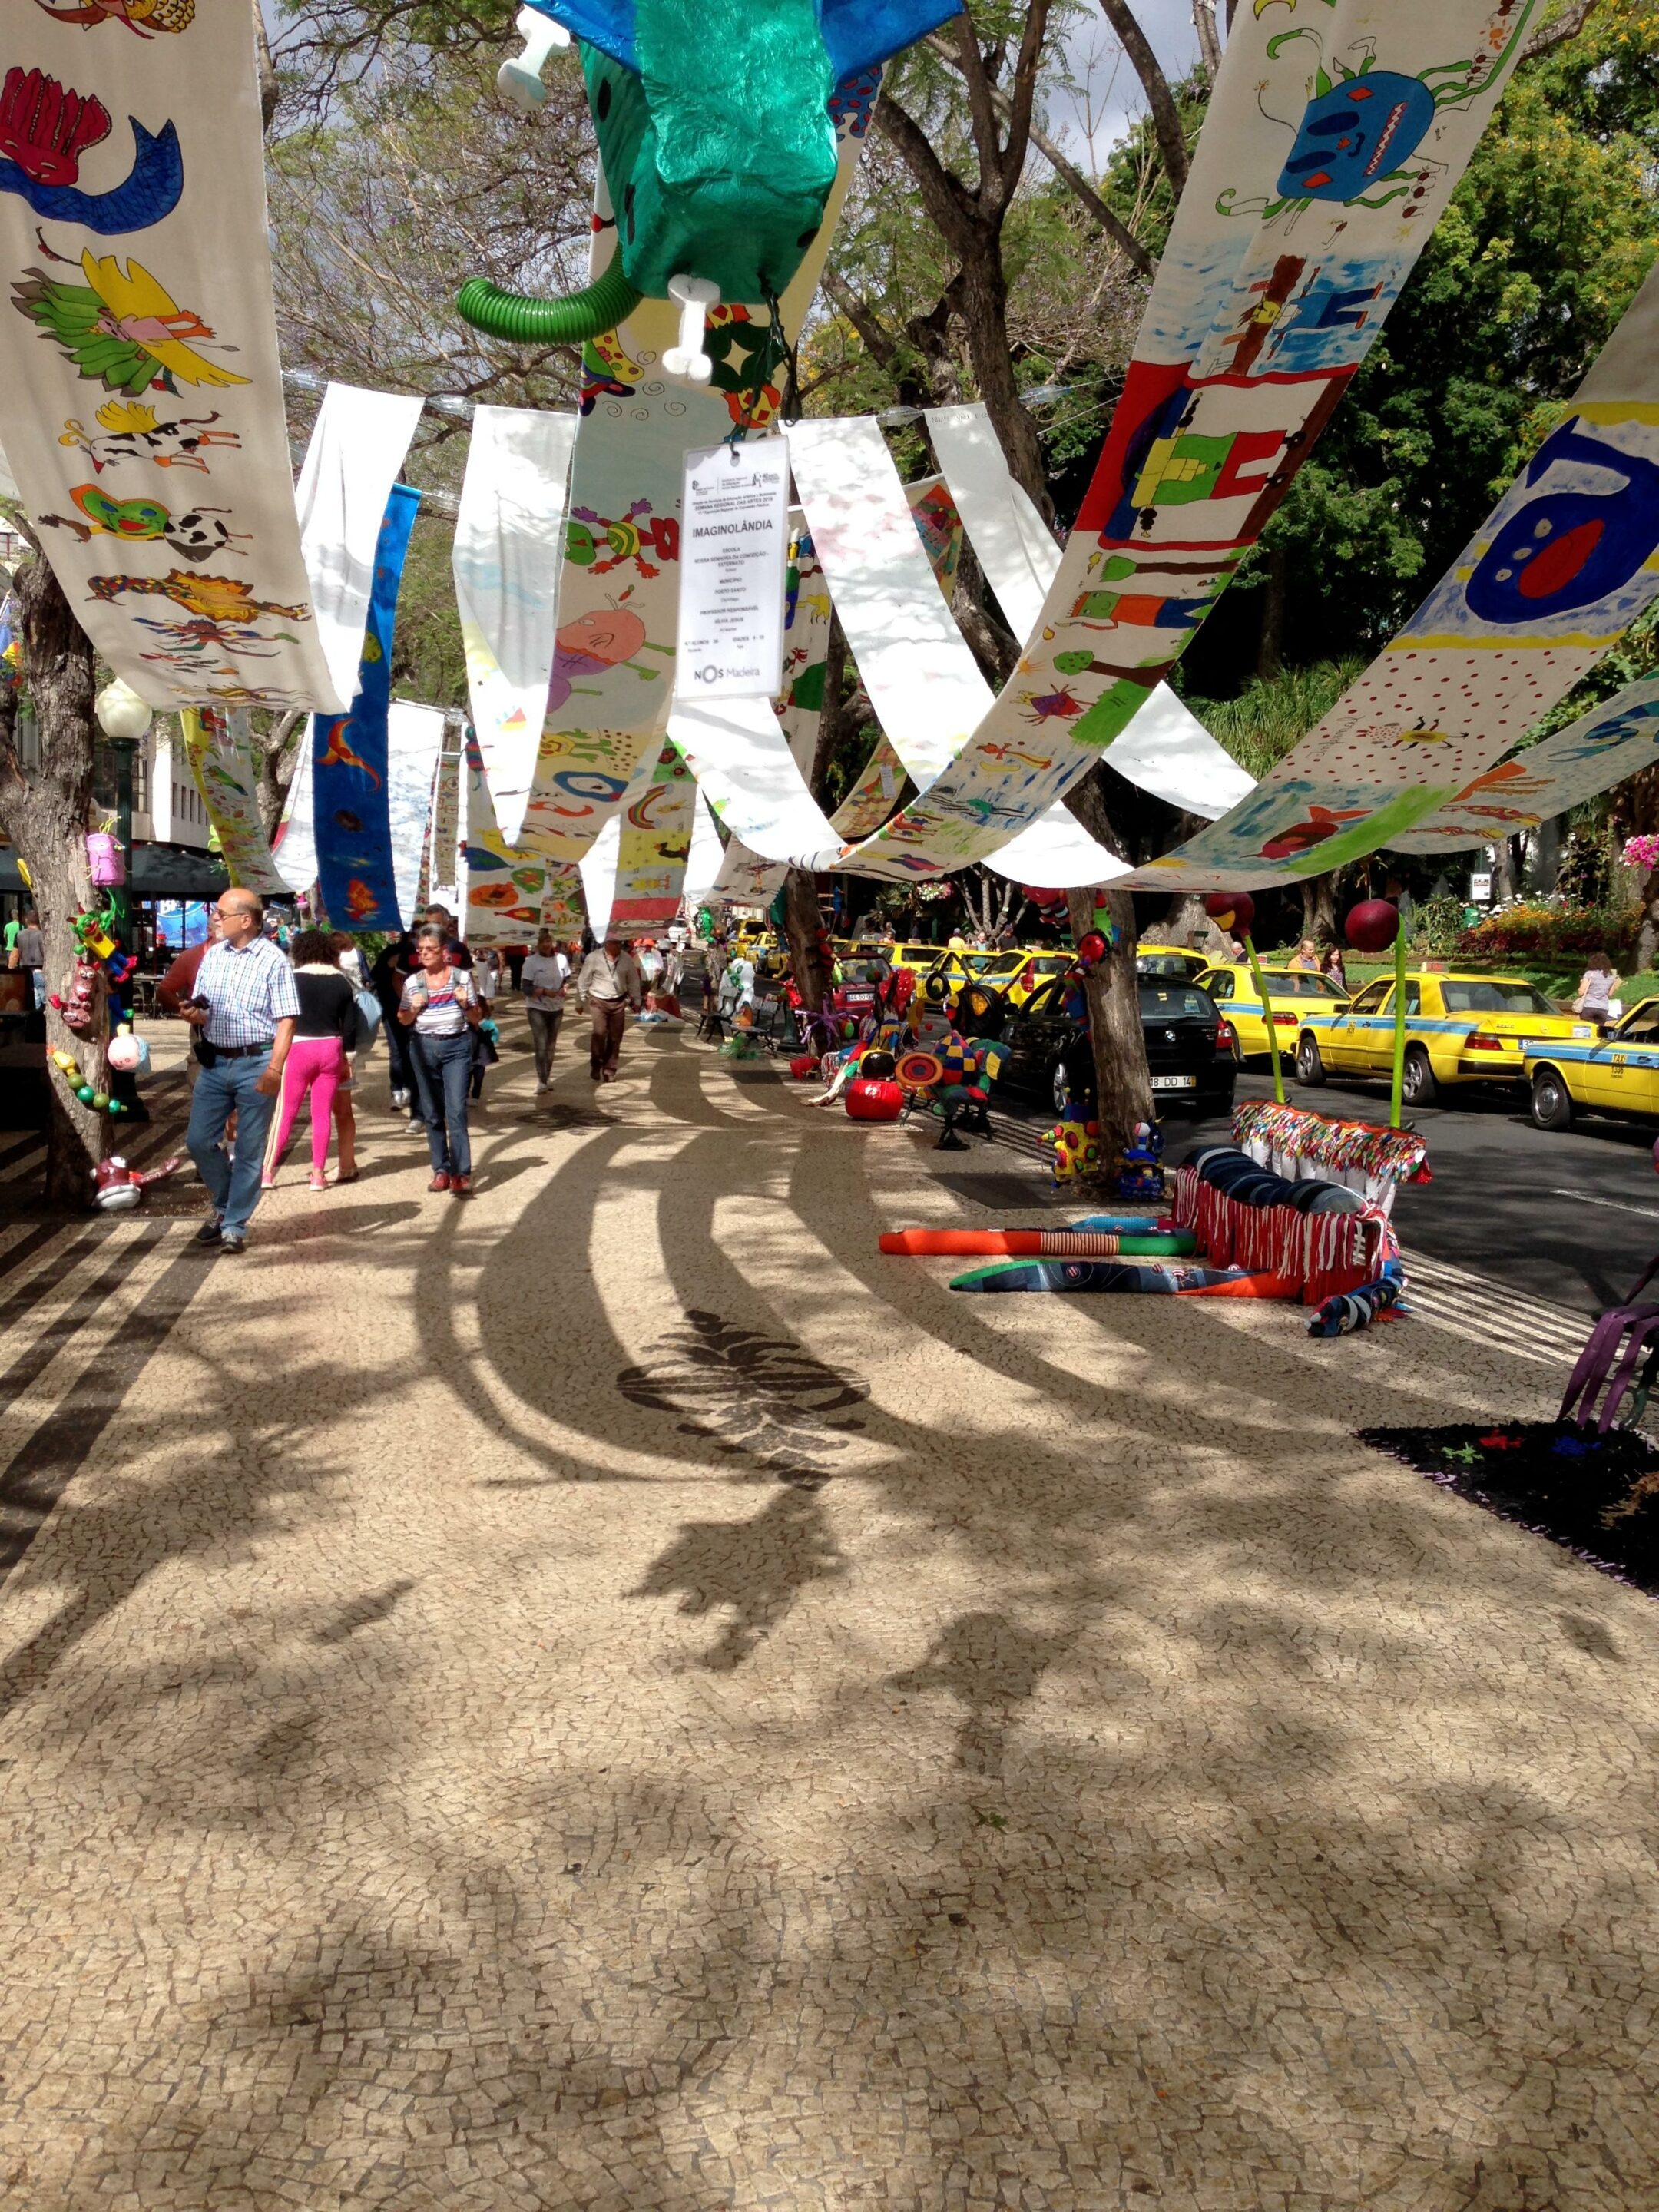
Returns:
<point x="316" y="1064"/>
<point x="244" y="1011"/>
<point x="29" y="952"/>
<point x="610" y="983"/>
<point x="542" y="980"/>
<point x="440" y="1008"/>
<point x="391" y="971"/>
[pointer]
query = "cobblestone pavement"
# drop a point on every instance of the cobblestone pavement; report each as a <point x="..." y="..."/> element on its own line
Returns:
<point x="613" y="1695"/>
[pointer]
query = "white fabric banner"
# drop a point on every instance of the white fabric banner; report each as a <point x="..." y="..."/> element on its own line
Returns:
<point x="738" y="752"/>
<point x="1166" y="750"/>
<point x="1018" y="554"/>
<point x="923" y="682"/>
<point x="293" y="848"/>
<point x="1058" y="853"/>
<point x="702" y="865"/>
<point x="510" y="548"/>
<point x="357" y="445"/>
<point x="415" y="737"/>
<point x="598" y="875"/>
<point x="141" y="398"/>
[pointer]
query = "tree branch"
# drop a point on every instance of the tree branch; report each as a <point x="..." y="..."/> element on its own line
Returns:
<point x="950" y="205"/>
<point x="1025" y="97"/>
<point x="878" y="341"/>
<point x="970" y="66"/>
<point x="1567" y="25"/>
<point x="1072" y="177"/>
<point x="1166" y="116"/>
<point x="1209" y="42"/>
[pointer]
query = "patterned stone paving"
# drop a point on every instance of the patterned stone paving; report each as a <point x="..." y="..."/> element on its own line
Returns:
<point x="615" y="1696"/>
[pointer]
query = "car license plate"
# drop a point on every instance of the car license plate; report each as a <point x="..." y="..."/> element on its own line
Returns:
<point x="1175" y="1083"/>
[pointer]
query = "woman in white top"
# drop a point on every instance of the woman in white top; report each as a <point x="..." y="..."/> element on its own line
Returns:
<point x="441" y="1006"/>
<point x="1597" y="987"/>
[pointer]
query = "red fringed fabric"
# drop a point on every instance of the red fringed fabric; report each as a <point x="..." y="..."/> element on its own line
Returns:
<point x="1325" y="1253"/>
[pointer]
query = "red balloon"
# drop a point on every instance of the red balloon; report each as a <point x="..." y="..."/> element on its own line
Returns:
<point x="1372" y="926"/>
<point x="1091" y="949"/>
<point x="1234" y="910"/>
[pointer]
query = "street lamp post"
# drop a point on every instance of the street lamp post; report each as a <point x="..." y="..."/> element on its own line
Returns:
<point x="123" y="718"/>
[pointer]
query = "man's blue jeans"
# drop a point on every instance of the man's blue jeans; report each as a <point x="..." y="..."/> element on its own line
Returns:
<point x="222" y="1089"/>
<point x="443" y="1068"/>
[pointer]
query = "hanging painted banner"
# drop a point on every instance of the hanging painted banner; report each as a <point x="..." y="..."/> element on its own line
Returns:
<point x="141" y="401"/>
<point x="1165" y="750"/>
<point x="351" y="754"/>
<point x="1329" y="150"/>
<point x="1562" y="566"/>
<point x="415" y="737"/>
<point x="799" y="704"/>
<point x="745" y="879"/>
<point x="219" y="754"/>
<point x="510" y="540"/>
<point x="1601" y="748"/>
<point x="597" y="870"/>
<point x="654" y="847"/>
<point x="563" y="910"/>
<point x="504" y="888"/>
<point x="613" y="664"/>
<point x="357" y="444"/>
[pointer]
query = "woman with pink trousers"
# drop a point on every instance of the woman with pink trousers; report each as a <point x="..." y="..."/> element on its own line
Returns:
<point x="316" y="1062"/>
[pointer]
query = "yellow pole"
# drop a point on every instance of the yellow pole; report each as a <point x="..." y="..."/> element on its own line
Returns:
<point x="1266" y="1015"/>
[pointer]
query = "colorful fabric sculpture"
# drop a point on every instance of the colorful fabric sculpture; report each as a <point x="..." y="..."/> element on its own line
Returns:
<point x="118" y="1189"/>
<point x="1043" y="1244"/>
<point x="1145" y="1279"/>
<point x="1140" y="1174"/>
<point x="1621" y="1359"/>
<point x="1322" y="1237"/>
<point x="868" y="1101"/>
<point x="718" y="145"/>
<point x="1075" y="1146"/>
<point x="1348" y="1310"/>
<point x="1366" y="1157"/>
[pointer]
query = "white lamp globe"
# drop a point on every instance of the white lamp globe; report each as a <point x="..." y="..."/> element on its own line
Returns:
<point x="121" y="713"/>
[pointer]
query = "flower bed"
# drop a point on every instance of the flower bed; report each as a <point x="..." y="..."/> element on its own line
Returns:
<point x="1551" y="933"/>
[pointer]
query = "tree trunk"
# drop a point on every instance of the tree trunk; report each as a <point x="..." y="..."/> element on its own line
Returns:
<point x="803" y="925"/>
<point x="1319" y="907"/>
<point x="276" y="755"/>
<point x="1547" y="858"/>
<point x="1209" y="45"/>
<point x="1123" y="1089"/>
<point x="1270" y="649"/>
<point x="45" y="815"/>
<point x="1503" y="871"/>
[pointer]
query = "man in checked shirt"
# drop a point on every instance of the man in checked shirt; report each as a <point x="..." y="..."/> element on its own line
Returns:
<point x="244" y="1009"/>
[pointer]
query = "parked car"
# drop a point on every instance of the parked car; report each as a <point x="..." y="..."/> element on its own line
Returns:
<point x="1617" y="1074"/>
<point x="1189" y="1047"/>
<point x="1302" y="998"/>
<point x="1171" y="960"/>
<point x="1459" y="1028"/>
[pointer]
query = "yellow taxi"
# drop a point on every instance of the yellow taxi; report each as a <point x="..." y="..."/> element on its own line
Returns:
<point x="1618" y="1073"/>
<point x="1459" y="1028"/>
<point x="1020" y="973"/>
<point x="1302" y="999"/>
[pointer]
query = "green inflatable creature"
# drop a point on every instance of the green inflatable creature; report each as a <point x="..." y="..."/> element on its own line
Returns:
<point x="718" y="144"/>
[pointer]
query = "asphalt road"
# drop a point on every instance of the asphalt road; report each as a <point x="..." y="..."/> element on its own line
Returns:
<point x="1573" y="1219"/>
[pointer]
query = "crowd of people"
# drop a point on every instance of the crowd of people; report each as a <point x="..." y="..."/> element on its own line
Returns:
<point x="282" y="1028"/>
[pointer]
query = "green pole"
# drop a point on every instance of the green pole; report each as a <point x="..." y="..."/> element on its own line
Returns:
<point x="1399" y="1028"/>
<point x="1260" y="981"/>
